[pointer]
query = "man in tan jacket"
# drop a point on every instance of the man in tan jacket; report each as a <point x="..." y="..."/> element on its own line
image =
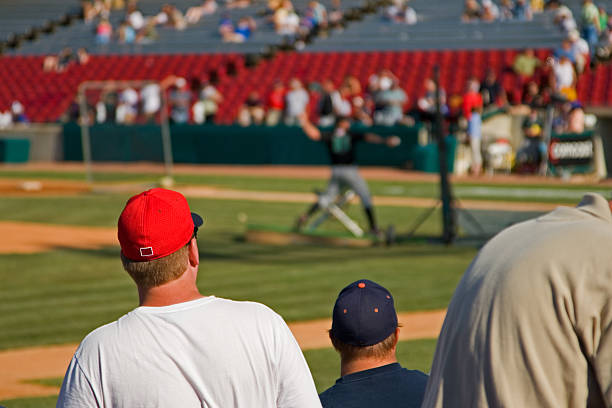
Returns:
<point x="530" y="323"/>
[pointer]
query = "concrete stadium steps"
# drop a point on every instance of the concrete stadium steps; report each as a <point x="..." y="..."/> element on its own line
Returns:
<point x="17" y="17"/>
<point x="198" y="38"/>
<point x="441" y="29"/>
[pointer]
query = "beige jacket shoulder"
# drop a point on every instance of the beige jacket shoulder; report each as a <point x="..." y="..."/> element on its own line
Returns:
<point x="530" y="323"/>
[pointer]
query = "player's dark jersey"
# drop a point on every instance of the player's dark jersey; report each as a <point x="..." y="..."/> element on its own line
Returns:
<point x="341" y="146"/>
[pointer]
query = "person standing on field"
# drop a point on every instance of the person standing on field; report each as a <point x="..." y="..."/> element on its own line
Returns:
<point x="180" y="348"/>
<point x="341" y="143"/>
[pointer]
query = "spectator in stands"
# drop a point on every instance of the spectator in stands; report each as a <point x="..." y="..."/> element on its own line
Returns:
<point x="326" y="106"/>
<point x="50" y="63"/>
<point x="522" y="11"/>
<point x="603" y="18"/>
<point x="492" y="91"/>
<point x="472" y="11"/>
<point x="276" y="104"/>
<point x="226" y="26"/>
<point x="472" y="98"/>
<point x="171" y="16"/>
<point x="391" y="102"/>
<point x="150" y="95"/>
<point x="426" y="105"/>
<point x="589" y="23"/>
<point x="58" y="63"/>
<point x="180" y="101"/>
<point x="6" y="119"/>
<point x="580" y="50"/>
<point x="194" y="14"/>
<point x="92" y="10"/>
<point x="106" y="108"/>
<point x="252" y="112"/>
<point x="134" y="17"/>
<point x="490" y="11"/>
<point x="126" y="33"/>
<point x="205" y="110"/>
<point x="505" y="10"/>
<point x="361" y="107"/>
<point x="575" y="120"/>
<point x="525" y="64"/>
<point x="533" y="150"/>
<point x="238" y="34"/>
<point x="319" y="15"/>
<point x="148" y="34"/>
<point x="296" y="101"/>
<point x="82" y="56"/>
<point x="537" y="6"/>
<point x="400" y="12"/>
<point x="336" y="15"/>
<point x="474" y="132"/>
<point x="533" y="97"/>
<point x="18" y="113"/>
<point x="127" y="110"/>
<point x="341" y="101"/>
<point x="64" y="59"/>
<point x="565" y="50"/>
<point x="472" y="103"/>
<point x="287" y="22"/>
<point x="564" y="78"/>
<point x="244" y="28"/>
<point x="561" y="116"/>
<point x="237" y="3"/>
<point x="603" y="50"/>
<point x="104" y="31"/>
<point x="365" y="333"/>
<point x="565" y="19"/>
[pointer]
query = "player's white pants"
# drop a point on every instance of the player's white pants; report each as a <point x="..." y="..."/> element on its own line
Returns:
<point x="345" y="176"/>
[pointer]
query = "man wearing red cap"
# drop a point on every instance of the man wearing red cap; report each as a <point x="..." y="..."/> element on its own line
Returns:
<point x="365" y="333"/>
<point x="179" y="348"/>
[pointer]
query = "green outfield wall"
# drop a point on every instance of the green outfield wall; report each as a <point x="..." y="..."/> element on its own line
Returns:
<point x="212" y="144"/>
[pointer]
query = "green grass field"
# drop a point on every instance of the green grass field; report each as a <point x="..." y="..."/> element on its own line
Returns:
<point x="569" y="193"/>
<point x="59" y="296"/>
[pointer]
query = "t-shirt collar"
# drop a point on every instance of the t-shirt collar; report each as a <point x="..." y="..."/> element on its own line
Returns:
<point x="359" y="375"/>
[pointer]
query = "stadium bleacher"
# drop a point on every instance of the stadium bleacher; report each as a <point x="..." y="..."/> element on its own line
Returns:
<point x="462" y="50"/>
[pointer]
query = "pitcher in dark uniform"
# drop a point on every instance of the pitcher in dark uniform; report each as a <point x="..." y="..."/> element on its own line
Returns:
<point x="341" y="143"/>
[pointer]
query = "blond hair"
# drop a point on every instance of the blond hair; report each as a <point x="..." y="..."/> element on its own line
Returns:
<point x="350" y="352"/>
<point x="153" y="273"/>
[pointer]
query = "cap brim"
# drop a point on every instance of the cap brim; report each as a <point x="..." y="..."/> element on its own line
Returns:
<point x="197" y="220"/>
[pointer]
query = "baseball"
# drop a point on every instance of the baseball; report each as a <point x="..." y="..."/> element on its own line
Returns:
<point x="242" y="217"/>
<point x="166" y="182"/>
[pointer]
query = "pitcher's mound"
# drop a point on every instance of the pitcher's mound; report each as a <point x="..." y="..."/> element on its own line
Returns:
<point x="17" y="187"/>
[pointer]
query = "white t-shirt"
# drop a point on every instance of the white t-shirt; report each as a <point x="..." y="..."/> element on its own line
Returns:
<point x="297" y="100"/>
<point x="151" y="98"/>
<point x="564" y="73"/>
<point x="209" y="352"/>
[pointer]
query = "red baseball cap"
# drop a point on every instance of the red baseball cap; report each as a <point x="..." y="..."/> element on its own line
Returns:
<point x="156" y="223"/>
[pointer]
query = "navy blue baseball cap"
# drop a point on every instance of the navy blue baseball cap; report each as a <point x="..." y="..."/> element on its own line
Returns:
<point x="364" y="314"/>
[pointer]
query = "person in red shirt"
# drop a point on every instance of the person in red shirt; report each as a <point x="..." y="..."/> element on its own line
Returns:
<point x="472" y="102"/>
<point x="276" y="104"/>
<point x="472" y="98"/>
